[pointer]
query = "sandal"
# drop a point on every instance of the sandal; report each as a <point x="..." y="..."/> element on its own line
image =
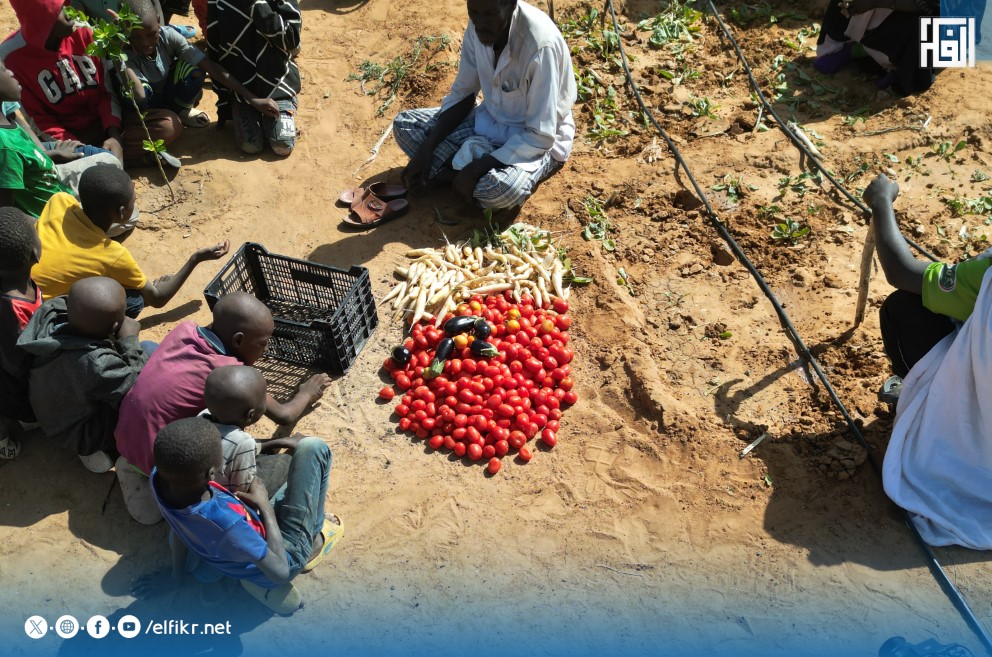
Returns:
<point x="283" y="600"/>
<point x="332" y="531"/>
<point x="373" y="212"/>
<point x="194" y="118"/>
<point x="10" y="448"/>
<point x="386" y="192"/>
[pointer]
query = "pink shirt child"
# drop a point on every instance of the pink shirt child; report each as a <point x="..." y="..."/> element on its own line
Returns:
<point x="169" y="388"/>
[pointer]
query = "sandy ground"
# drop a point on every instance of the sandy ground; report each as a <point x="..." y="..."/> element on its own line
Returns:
<point x="642" y="531"/>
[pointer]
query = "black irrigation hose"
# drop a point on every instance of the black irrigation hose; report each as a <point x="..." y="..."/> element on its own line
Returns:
<point x="865" y="210"/>
<point x="802" y="350"/>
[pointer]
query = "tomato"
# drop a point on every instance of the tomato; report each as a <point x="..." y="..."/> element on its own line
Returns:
<point x="459" y="433"/>
<point x="475" y="305"/>
<point x="560" y="306"/>
<point x="566" y="384"/>
<point x="463" y="309"/>
<point x="517" y="439"/>
<point x="409" y="344"/>
<point x="555" y="414"/>
<point x="420" y="341"/>
<point x="505" y="410"/>
<point x="466" y="396"/>
<point x="449" y="442"/>
<point x="494" y="465"/>
<point x="422" y="433"/>
<point x="502" y="447"/>
<point x="481" y="422"/>
<point x="436" y="442"/>
<point x="488" y="452"/>
<point x="402" y="410"/>
<point x="420" y="415"/>
<point x="549" y="438"/>
<point x="552" y="425"/>
<point x="570" y="397"/>
<point x="404" y="424"/>
<point x="461" y="420"/>
<point x="469" y="366"/>
<point x="461" y="340"/>
<point x="428" y="423"/>
<point x="473" y="435"/>
<point x="453" y="367"/>
<point x="418" y="405"/>
<point x="459" y="449"/>
<point x="474" y="452"/>
<point x="525" y="454"/>
<point x="563" y="322"/>
<point x="532" y="365"/>
<point x="402" y="382"/>
<point x="539" y="419"/>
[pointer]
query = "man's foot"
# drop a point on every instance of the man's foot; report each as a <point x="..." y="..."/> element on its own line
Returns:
<point x="98" y="462"/>
<point x="330" y="534"/>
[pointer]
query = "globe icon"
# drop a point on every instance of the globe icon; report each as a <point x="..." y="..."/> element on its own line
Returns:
<point x="67" y="626"/>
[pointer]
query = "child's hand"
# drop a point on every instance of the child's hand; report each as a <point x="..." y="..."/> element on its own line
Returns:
<point x="215" y="252"/>
<point x="114" y="146"/>
<point x="155" y="583"/>
<point x="65" y="151"/>
<point x="129" y="328"/>
<point x="314" y="387"/>
<point x="257" y="497"/>
<point x="266" y="106"/>
<point x="881" y="189"/>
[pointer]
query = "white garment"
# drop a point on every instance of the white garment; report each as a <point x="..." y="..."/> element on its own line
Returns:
<point x="938" y="465"/>
<point x="527" y="95"/>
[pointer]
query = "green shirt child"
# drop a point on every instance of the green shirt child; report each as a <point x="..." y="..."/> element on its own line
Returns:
<point x="26" y="171"/>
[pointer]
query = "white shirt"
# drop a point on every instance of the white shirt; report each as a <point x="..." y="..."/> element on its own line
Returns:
<point x="528" y="94"/>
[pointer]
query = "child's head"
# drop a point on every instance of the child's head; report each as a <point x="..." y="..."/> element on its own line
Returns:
<point x="10" y="89"/>
<point x="144" y="39"/>
<point x="188" y="454"/>
<point x="107" y="195"/>
<point x="235" y="394"/>
<point x="244" y="325"/>
<point x="96" y="307"/>
<point x="20" y="247"/>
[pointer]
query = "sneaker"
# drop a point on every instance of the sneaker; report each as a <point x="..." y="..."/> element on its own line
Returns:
<point x="10" y="448"/>
<point x="188" y="31"/>
<point x="890" y="390"/>
<point x="98" y="462"/>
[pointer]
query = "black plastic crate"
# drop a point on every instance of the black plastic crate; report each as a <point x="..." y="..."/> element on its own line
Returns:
<point x="323" y="315"/>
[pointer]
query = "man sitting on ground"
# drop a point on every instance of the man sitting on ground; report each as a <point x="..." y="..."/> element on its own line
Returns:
<point x="76" y="244"/>
<point x="496" y="154"/>
<point x="935" y="329"/>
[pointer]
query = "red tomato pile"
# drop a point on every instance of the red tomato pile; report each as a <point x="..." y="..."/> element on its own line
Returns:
<point x="486" y="408"/>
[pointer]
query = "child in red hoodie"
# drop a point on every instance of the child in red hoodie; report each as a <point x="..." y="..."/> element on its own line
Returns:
<point x="65" y="90"/>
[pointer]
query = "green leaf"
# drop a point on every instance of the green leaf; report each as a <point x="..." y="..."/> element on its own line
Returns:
<point x="726" y="335"/>
<point x="890" y="157"/>
<point x="609" y="245"/>
<point x="581" y="280"/>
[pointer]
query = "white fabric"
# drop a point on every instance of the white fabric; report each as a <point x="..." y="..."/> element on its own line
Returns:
<point x="472" y="149"/>
<point x="939" y="460"/>
<point x="527" y="96"/>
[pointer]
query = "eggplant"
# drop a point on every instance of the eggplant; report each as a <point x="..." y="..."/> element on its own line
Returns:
<point x="483" y="349"/>
<point x="457" y="325"/>
<point x="444" y="350"/>
<point x="482" y="329"/>
<point x="401" y="355"/>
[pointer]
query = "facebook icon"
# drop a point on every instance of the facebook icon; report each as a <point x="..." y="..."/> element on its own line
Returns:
<point x="98" y="627"/>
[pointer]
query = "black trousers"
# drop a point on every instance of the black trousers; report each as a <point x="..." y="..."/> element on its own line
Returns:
<point x="909" y="330"/>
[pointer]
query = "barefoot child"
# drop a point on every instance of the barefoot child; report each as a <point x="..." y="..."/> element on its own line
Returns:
<point x="19" y="299"/>
<point x="75" y="243"/>
<point x="85" y="356"/>
<point x="168" y="73"/>
<point x="264" y="543"/>
<point x="235" y="398"/>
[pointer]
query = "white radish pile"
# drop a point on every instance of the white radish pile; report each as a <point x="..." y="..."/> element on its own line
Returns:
<point x="524" y="260"/>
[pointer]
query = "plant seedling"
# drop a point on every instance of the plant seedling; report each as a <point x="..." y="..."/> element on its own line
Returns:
<point x="390" y="77"/>
<point x="598" y="227"/>
<point x="790" y="231"/>
<point x="946" y="151"/>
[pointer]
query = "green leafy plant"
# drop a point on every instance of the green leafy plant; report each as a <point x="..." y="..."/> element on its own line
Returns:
<point x="700" y="107"/>
<point x="598" y="227"/>
<point x="604" y="118"/>
<point x="790" y="231"/>
<point x="109" y="41"/>
<point x="961" y="206"/>
<point x="389" y="77"/>
<point x="946" y="151"/>
<point x="624" y="280"/>
<point x="735" y="188"/>
<point x="745" y="14"/>
<point x="978" y="176"/>
<point x="605" y="42"/>
<point x="798" y="184"/>
<point x="678" y="22"/>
